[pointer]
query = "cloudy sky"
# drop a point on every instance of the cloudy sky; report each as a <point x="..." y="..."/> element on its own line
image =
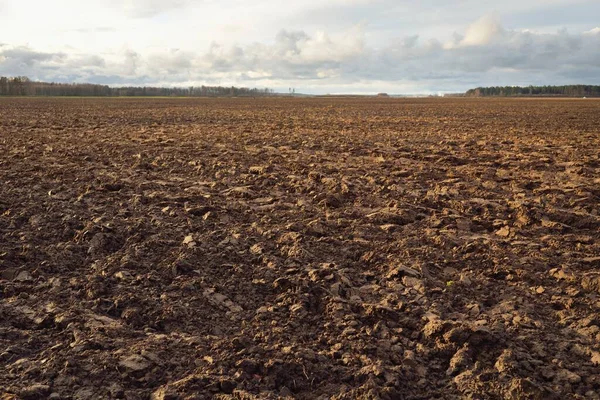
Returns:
<point x="314" y="46"/>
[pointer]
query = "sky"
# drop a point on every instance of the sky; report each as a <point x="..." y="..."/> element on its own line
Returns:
<point x="313" y="46"/>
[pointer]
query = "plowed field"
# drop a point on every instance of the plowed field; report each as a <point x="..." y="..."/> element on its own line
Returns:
<point x="329" y="248"/>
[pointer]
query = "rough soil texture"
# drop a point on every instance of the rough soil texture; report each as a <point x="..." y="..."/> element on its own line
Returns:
<point x="309" y="249"/>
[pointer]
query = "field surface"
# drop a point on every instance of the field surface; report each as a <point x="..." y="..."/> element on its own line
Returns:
<point x="299" y="248"/>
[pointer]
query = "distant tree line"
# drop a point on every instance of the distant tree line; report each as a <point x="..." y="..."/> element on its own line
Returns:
<point x="565" y="91"/>
<point x="23" y="86"/>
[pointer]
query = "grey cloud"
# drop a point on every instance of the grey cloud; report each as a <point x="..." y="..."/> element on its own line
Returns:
<point x="87" y="61"/>
<point x="49" y="66"/>
<point x="289" y="43"/>
<point x="28" y="57"/>
<point x="409" y="41"/>
<point x="132" y="60"/>
<point x="486" y="46"/>
<point x="27" y="62"/>
<point x="528" y="52"/>
<point x="171" y="63"/>
<point x="485" y="53"/>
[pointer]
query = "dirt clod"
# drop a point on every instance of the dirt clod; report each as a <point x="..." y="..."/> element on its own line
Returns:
<point x="318" y="248"/>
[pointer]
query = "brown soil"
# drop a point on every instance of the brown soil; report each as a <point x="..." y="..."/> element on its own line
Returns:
<point x="310" y="249"/>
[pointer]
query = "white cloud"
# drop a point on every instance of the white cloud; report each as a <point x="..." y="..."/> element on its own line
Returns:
<point x="595" y="31"/>
<point x="482" y="31"/>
